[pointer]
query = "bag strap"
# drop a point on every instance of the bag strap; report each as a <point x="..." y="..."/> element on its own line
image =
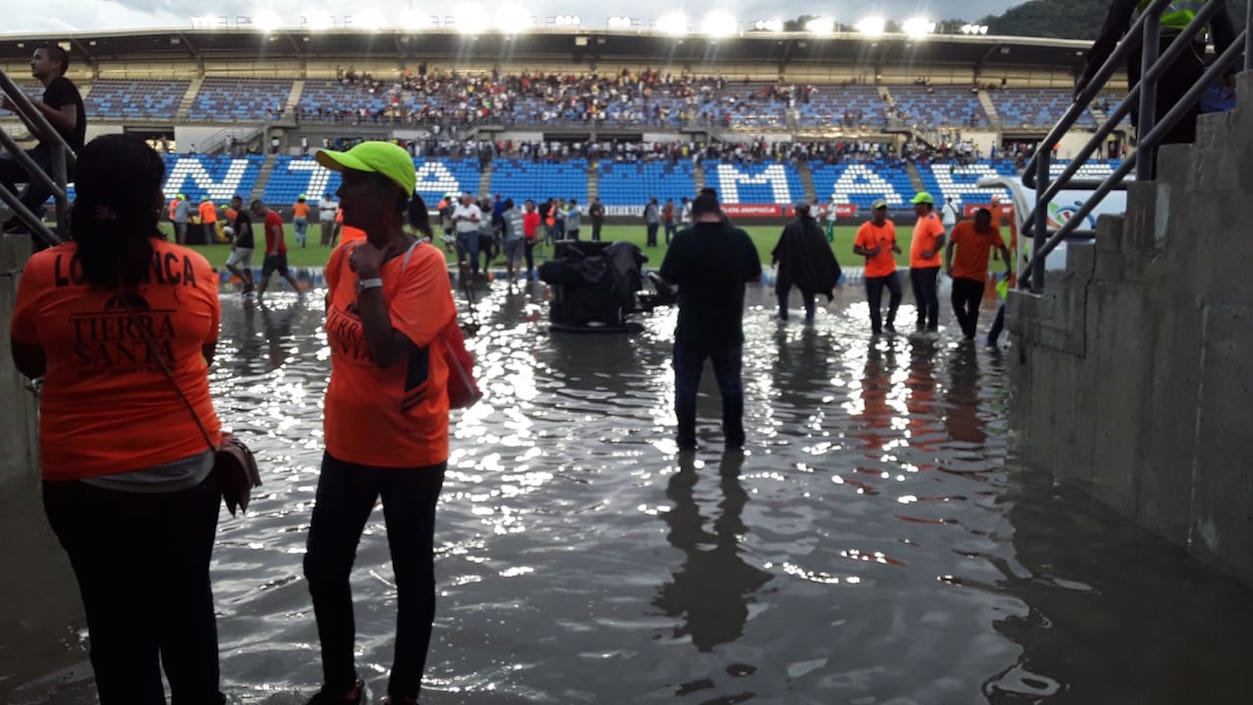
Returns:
<point x="156" y="355"/>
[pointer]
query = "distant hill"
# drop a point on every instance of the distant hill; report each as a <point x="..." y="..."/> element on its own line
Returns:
<point x="1064" y="19"/>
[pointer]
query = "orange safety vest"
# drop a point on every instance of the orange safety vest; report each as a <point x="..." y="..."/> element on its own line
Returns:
<point x="208" y="212"/>
<point x="173" y="208"/>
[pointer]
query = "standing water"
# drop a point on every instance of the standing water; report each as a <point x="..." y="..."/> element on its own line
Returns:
<point x="876" y="544"/>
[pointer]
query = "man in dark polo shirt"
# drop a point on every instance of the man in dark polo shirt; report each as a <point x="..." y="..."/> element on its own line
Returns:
<point x="710" y="262"/>
<point x="63" y="107"/>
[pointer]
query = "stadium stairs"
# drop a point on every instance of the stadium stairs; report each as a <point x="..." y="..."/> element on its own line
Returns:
<point x="485" y="180"/>
<point x="193" y="88"/>
<point x="994" y="118"/>
<point x="1131" y="369"/>
<point x="807" y="180"/>
<point x="915" y="178"/>
<point x="593" y="181"/>
<point x="293" y="98"/>
<point x="263" y="178"/>
<point x="698" y="176"/>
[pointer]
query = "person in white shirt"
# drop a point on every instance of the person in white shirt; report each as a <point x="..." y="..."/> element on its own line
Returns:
<point x="466" y="218"/>
<point x="948" y="216"/>
<point x="327" y="208"/>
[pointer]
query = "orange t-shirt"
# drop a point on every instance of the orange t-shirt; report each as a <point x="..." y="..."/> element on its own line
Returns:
<point x="350" y="234"/>
<point x="208" y="212"/>
<point x="107" y="405"/>
<point x="395" y="416"/>
<point x="300" y="210"/>
<point x="926" y="231"/>
<point x="870" y="236"/>
<point x="971" y="249"/>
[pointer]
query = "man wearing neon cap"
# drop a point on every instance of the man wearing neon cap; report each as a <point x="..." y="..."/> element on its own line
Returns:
<point x="386" y="415"/>
<point x="924" y="262"/>
<point x="181" y="211"/>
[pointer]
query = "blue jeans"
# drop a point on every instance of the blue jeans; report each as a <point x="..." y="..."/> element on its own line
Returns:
<point x="468" y="245"/>
<point x="728" y="364"/>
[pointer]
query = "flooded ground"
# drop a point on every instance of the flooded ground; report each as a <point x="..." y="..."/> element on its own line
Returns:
<point x="876" y="545"/>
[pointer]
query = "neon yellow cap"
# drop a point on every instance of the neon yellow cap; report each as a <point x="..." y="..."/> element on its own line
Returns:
<point x="377" y="158"/>
<point x="922" y="197"/>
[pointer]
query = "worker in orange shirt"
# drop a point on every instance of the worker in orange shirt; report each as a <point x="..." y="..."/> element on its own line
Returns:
<point x="876" y="241"/>
<point x="300" y="219"/>
<point x="208" y="221"/>
<point x="924" y="262"/>
<point x="973" y="240"/>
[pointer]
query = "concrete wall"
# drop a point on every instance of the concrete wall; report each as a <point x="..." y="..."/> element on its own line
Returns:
<point x="19" y="456"/>
<point x="1133" y="372"/>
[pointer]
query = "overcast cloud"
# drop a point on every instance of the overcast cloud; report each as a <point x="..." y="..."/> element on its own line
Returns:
<point x="24" y="16"/>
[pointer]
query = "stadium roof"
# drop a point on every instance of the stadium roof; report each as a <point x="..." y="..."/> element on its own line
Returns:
<point x="779" y="48"/>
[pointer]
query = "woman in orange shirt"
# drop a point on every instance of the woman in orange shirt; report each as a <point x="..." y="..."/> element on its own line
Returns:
<point x="386" y="414"/>
<point x="113" y="320"/>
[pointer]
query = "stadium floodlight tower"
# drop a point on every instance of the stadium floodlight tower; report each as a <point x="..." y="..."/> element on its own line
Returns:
<point x="370" y="19"/>
<point x="673" y="23"/>
<point x="266" y="21"/>
<point x="414" y="20"/>
<point x="918" y="27"/>
<point x="773" y="24"/>
<point x="319" y="21"/>
<point x="620" y="22"/>
<point x="719" y="23"/>
<point x="871" y="26"/>
<point x="820" y="25"/>
<point x="470" y="19"/>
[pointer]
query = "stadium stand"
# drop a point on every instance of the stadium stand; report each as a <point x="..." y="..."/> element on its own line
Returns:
<point x="777" y="182"/>
<point x="240" y="99"/>
<point x="218" y="177"/>
<point x="321" y="97"/>
<point x="862" y="183"/>
<point x="633" y="183"/>
<point x="1035" y="107"/>
<point x="958" y="181"/>
<point x="939" y="106"/>
<point x="114" y="98"/>
<point x="849" y="106"/>
<point x="539" y="180"/>
<point x="293" y="176"/>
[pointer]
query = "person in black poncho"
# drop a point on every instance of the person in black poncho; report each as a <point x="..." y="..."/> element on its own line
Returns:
<point x="804" y="260"/>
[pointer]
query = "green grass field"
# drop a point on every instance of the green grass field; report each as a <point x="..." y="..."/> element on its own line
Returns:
<point x="764" y="236"/>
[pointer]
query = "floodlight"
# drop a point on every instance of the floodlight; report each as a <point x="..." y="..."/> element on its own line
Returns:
<point x="820" y="25"/>
<point x="415" y="19"/>
<point x="469" y="19"/>
<point x="770" y="25"/>
<point x="673" y="23"/>
<point x="918" y="26"/>
<point x="568" y="20"/>
<point x="370" y="20"/>
<point x="872" y="26"/>
<point x="983" y="29"/>
<point x="514" y="18"/>
<point x="266" y="20"/>
<point x="619" y="22"/>
<point x="719" y="24"/>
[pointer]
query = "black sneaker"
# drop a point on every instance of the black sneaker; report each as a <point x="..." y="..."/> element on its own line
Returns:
<point x="354" y="698"/>
<point x="401" y="701"/>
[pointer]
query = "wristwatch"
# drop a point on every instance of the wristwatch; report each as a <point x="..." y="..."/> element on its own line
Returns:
<point x="363" y="284"/>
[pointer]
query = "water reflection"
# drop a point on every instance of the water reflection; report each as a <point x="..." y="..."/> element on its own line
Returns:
<point x="712" y="590"/>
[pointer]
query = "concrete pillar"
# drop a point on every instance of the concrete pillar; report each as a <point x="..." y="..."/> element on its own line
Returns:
<point x="19" y="447"/>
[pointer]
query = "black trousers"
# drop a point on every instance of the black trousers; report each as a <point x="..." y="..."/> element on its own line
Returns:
<point x="596" y="231"/>
<point x="782" y="288"/>
<point x="967" y="295"/>
<point x="345" y="497"/>
<point x="874" y="297"/>
<point x="142" y="565"/>
<point x="528" y="250"/>
<point x="652" y="235"/>
<point x="926" y="297"/>
<point x="728" y="364"/>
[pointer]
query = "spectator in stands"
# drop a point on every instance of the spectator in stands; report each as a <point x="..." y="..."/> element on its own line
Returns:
<point x="710" y="263"/>
<point x="652" y="219"/>
<point x="327" y="209"/>
<point x="973" y="241"/>
<point x="596" y="212"/>
<point x="239" y="262"/>
<point x="386" y="416"/>
<point x="514" y="237"/>
<point x="300" y="220"/>
<point x="804" y="260"/>
<point x="208" y="222"/>
<point x="275" y="249"/>
<point x="466" y="217"/>
<point x="668" y="220"/>
<point x="573" y="215"/>
<point x="128" y="486"/>
<point x="876" y="241"/>
<point x="182" y="211"/>
<point x="924" y="262"/>
<point x="1181" y="75"/>
<point x="62" y="107"/>
<point x="530" y="229"/>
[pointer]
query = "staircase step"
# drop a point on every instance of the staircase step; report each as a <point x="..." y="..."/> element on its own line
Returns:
<point x="485" y="180"/>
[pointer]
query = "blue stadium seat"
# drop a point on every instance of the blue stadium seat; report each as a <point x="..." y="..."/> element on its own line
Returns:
<point x="240" y="99"/>
<point x="114" y="98"/>
<point x="862" y="183"/>
<point x="540" y="181"/>
<point x="293" y="176"/>
<point x="218" y="176"/>
<point x="633" y="183"/>
<point x="939" y="106"/>
<point x="775" y="182"/>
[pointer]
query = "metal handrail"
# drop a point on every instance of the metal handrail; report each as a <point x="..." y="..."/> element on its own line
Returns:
<point x="1145" y="29"/>
<point x="62" y="156"/>
<point x="1176" y="113"/>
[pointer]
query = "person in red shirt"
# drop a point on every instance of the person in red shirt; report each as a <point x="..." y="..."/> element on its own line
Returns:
<point x="876" y="241"/>
<point x="275" y="249"/>
<point x="973" y="241"/>
<point x="530" y="229"/>
<point x="924" y="261"/>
